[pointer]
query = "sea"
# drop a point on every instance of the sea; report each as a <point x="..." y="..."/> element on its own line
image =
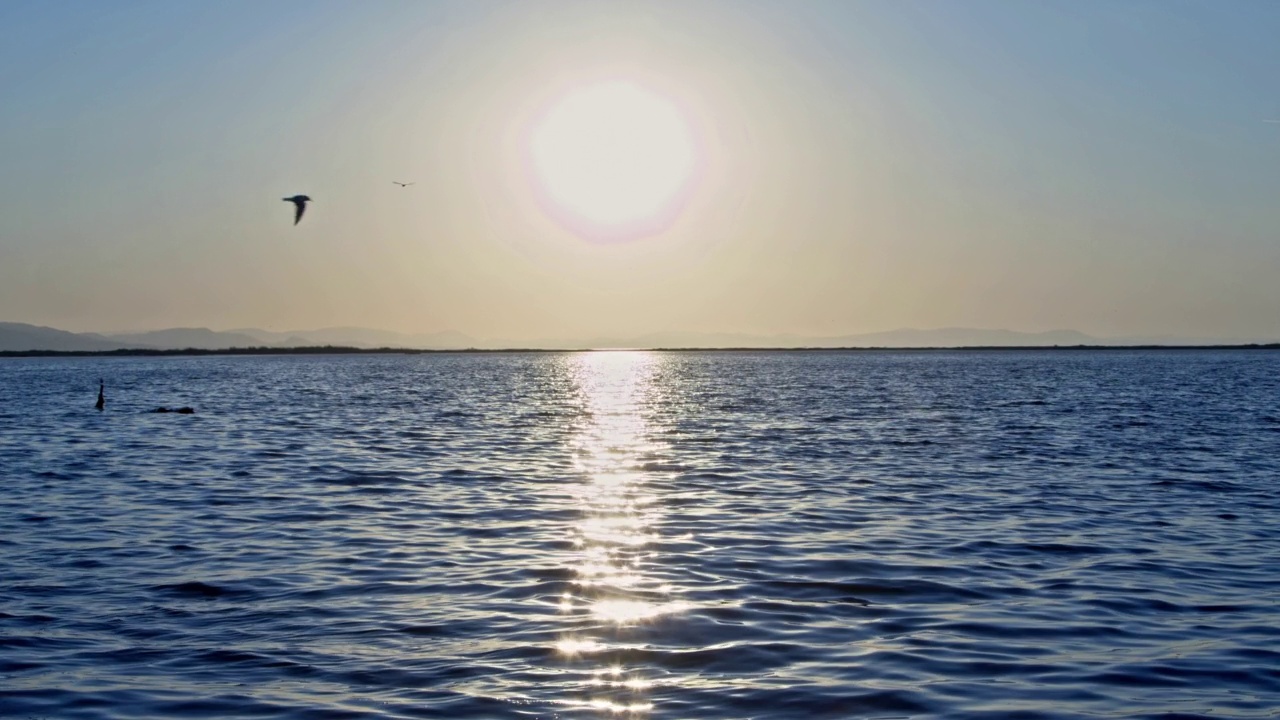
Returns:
<point x="801" y="534"/>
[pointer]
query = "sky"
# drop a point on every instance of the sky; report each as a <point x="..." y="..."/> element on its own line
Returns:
<point x="826" y="168"/>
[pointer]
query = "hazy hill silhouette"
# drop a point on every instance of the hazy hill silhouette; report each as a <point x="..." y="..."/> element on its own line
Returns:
<point x="20" y="337"/>
<point x="360" y="337"/>
<point x="199" y="338"/>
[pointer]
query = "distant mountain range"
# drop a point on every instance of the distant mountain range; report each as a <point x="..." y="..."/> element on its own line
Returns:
<point x="20" y="337"/>
<point x="360" y="337"/>
<point x="904" y="338"/>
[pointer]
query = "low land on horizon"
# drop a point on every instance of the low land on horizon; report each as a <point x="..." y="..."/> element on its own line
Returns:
<point x="346" y="350"/>
<point x="21" y="338"/>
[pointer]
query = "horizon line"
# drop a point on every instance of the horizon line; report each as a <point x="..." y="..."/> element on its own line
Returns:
<point x="352" y="350"/>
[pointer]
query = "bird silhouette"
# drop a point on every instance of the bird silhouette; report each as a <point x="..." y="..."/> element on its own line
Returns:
<point x="403" y="185"/>
<point x="300" y="203"/>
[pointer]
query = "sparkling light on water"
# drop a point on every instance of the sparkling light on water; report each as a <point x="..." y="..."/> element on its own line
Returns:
<point x="619" y="515"/>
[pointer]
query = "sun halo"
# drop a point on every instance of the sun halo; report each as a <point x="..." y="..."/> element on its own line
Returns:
<point x="613" y="159"/>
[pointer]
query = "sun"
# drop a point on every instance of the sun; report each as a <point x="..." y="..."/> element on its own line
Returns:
<point x="613" y="159"/>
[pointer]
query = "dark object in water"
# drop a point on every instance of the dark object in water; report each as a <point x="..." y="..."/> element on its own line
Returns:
<point x="180" y="411"/>
<point x="102" y="399"/>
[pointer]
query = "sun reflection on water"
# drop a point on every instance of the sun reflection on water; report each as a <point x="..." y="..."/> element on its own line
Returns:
<point x="616" y="589"/>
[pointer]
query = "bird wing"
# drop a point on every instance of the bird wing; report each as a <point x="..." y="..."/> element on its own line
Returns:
<point x="301" y="208"/>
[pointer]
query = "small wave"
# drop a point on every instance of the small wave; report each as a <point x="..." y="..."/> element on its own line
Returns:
<point x="196" y="588"/>
<point x="905" y="590"/>
<point x="1205" y="485"/>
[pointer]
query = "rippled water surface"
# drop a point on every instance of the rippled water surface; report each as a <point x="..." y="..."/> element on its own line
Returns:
<point x="1050" y="534"/>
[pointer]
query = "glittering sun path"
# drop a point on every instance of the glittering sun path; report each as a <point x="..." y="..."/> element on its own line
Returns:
<point x="615" y="590"/>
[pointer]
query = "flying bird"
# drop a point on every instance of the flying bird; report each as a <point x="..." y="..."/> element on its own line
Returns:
<point x="397" y="182"/>
<point x="300" y="203"/>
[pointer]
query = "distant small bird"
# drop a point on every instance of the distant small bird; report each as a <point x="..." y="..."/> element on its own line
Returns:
<point x="300" y="202"/>
<point x="397" y="182"/>
<point x="102" y="399"/>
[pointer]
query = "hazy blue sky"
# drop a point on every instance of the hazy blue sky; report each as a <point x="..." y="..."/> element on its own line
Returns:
<point x="860" y="166"/>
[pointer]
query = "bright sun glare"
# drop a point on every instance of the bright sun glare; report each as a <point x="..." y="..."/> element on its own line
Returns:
<point x="614" y="155"/>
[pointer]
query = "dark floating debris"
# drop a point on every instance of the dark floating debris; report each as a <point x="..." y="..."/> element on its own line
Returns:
<point x="180" y="411"/>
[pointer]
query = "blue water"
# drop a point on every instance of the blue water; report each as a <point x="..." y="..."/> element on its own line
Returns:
<point x="1049" y="534"/>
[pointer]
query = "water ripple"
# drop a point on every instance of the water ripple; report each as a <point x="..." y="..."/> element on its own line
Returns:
<point x="643" y="535"/>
